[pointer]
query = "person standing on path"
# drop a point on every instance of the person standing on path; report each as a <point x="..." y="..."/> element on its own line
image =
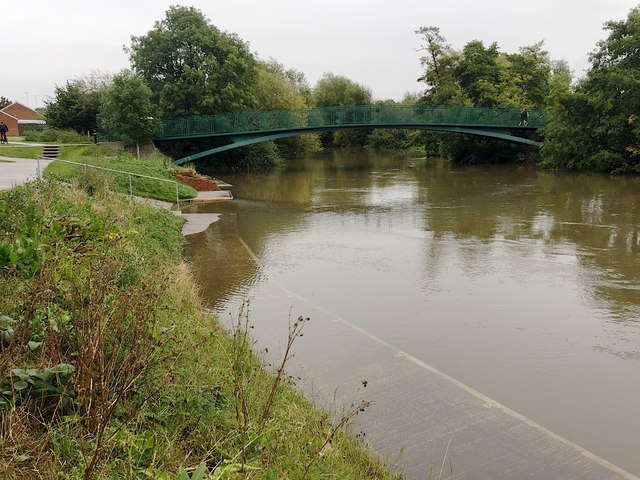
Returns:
<point x="3" y="133"/>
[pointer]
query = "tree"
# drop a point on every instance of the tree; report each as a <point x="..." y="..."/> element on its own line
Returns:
<point x="439" y="63"/>
<point x="192" y="67"/>
<point x="478" y="73"/>
<point x="75" y="106"/>
<point x="560" y="81"/>
<point x="336" y="90"/>
<point x="596" y="126"/>
<point x="127" y="109"/>
<point x="531" y="70"/>
<point x="277" y="88"/>
<point x="4" y="102"/>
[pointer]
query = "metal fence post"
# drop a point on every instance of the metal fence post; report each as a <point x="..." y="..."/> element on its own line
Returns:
<point x="130" y="187"/>
<point x="177" y="197"/>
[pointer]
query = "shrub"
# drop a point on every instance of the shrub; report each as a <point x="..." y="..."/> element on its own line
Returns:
<point x="52" y="135"/>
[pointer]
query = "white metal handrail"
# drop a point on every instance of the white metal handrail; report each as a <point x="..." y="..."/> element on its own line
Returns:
<point x="123" y="172"/>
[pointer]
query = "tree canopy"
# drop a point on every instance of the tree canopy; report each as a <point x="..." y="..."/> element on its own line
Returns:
<point x="482" y="76"/>
<point x="337" y="90"/>
<point x="597" y="126"/>
<point x="192" y="67"/>
<point x="127" y="109"/>
<point x="75" y="106"/>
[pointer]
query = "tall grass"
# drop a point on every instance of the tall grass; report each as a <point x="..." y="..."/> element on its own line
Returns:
<point x="155" y="166"/>
<point x="110" y="367"/>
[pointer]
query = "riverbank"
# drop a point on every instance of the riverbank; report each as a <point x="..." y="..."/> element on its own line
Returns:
<point x="111" y="368"/>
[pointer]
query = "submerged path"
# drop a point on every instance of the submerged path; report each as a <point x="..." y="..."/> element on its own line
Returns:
<point x="423" y="420"/>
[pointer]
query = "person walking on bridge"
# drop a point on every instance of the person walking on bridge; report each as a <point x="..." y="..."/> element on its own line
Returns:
<point x="524" y="117"/>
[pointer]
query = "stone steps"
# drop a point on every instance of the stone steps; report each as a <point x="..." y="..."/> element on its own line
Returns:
<point x="51" y="151"/>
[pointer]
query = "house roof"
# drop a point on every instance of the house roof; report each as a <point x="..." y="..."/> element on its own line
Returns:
<point x="17" y="103"/>
<point x="8" y="114"/>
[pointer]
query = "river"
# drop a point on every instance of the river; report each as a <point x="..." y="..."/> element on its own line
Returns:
<point x="519" y="284"/>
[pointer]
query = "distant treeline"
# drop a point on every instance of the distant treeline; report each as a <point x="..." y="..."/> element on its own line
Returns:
<point x="186" y="66"/>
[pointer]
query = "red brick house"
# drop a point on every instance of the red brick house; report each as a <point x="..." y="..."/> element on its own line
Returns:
<point x="17" y="115"/>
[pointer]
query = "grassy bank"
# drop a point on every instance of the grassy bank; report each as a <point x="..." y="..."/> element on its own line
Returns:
<point x="155" y="166"/>
<point x="103" y="156"/>
<point x="110" y="368"/>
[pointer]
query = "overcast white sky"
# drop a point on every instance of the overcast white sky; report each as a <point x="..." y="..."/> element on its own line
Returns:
<point x="46" y="42"/>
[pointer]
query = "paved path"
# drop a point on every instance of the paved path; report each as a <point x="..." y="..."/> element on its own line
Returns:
<point x="212" y="196"/>
<point x="15" y="171"/>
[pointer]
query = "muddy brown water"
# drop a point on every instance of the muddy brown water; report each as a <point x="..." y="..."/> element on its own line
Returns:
<point x="522" y="284"/>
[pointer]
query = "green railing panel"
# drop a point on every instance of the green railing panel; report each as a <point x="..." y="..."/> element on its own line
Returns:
<point x="373" y="116"/>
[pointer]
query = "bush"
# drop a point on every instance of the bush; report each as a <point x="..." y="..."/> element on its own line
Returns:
<point x="52" y="135"/>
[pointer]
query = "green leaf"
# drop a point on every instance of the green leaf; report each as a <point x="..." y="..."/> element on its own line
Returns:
<point x="183" y="475"/>
<point x="20" y="385"/>
<point x="200" y="471"/>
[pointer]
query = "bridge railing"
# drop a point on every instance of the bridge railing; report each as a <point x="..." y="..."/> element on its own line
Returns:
<point x="356" y="116"/>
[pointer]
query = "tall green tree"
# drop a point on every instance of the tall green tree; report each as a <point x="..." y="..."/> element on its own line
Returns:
<point x="75" y="106"/>
<point x="596" y="127"/>
<point x="530" y="71"/>
<point x="278" y="88"/>
<point x="192" y="67"/>
<point x="439" y="63"/>
<point x="337" y="90"/>
<point x="478" y="73"/>
<point x="127" y="109"/>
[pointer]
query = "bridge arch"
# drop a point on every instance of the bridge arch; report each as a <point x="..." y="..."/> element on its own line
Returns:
<point x="243" y="129"/>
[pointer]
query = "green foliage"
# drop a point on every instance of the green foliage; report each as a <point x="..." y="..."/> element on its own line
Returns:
<point x="154" y="166"/>
<point x="131" y="378"/>
<point x="4" y="102"/>
<point x="595" y="127"/>
<point x="336" y="90"/>
<point x="277" y="88"/>
<point x="76" y="105"/>
<point x="482" y="76"/>
<point x="36" y="385"/>
<point x="192" y="67"/>
<point x="198" y="473"/>
<point x="127" y="109"/>
<point x="439" y="63"/>
<point x="257" y="157"/>
<point x="53" y="135"/>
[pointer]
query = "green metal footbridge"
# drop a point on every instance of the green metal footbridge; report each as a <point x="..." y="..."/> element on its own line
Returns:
<point x="240" y="129"/>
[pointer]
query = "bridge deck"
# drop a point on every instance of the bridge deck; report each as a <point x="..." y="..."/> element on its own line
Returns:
<point x="363" y="116"/>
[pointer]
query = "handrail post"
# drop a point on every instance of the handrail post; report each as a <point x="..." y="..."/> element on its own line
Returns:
<point x="130" y="188"/>
<point x="177" y="198"/>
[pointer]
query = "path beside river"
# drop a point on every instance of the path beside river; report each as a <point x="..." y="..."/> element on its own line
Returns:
<point x="15" y="171"/>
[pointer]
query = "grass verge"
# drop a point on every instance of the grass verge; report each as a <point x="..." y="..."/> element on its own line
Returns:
<point x="154" y="165"/>
<point x="110" y="368"/>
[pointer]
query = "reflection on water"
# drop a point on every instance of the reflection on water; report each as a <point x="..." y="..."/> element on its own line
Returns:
<point x="519" y="283"/>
